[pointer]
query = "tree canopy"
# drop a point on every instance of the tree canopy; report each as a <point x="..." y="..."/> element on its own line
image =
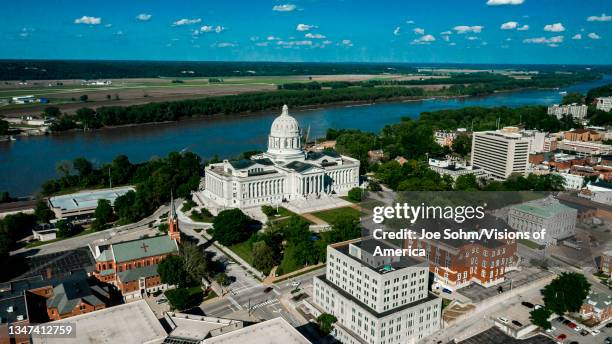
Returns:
<point x="566" y="293"/>
<point x="231" y="226"/>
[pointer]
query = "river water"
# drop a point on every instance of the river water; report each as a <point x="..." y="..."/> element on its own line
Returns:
<point x="26" y="163"/>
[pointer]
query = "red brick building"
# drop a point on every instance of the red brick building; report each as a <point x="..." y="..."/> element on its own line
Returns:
<point x="597" y="306"/>
<point x="457" y="263"/>
<point x="132" y="265"/>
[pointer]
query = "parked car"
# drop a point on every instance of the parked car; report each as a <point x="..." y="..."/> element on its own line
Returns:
<point x="595" y="332"/>
<point x="551" y="329"/>
<point x="577" y="328"/>
<point x="538" y="306"/>
<point x="571" y="325"/>
<point x="295" y="284"/>
<point x="503" y="320"/>
<point x="562" y="336"/>
<point x="160" y="301"/>
<point x="609" y="339"/>
<point x="527" y="304"/>
<point x="584" y="333"/>
<point x="268" y="289"/>
<point x="446" y="290"/>
<point x="517" y="323"/>
<point x="560" y="319"/>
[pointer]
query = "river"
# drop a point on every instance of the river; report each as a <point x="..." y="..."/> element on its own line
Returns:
<point x="26" y="163"/>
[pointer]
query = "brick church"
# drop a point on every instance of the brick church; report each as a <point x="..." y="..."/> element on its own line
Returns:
<point x="132" y="265"/>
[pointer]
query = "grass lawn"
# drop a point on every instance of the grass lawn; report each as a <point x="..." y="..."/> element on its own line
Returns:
<point x="287" y="265"/>
<point x="244" y="250"/>
<point x="348" y="199"/>
<point x="446" y="302"/>
<point x="330" y="216"/>
<point x="530" y="244"/>
<point x="201" y="216"/>
<point x="211" y="295"/>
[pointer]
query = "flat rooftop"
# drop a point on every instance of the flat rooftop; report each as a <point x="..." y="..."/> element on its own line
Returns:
<point x="87" y="199"/>
<point x="119" y="324"/>
<point x="274" y="331"/>
<point x="495" y="335"/>
<point x="196" y="327"/>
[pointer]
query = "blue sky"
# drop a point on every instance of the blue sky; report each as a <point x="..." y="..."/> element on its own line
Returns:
<point x="462" y="31"/>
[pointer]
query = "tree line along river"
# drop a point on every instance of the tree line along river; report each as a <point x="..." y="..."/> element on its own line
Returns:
<point x="28" y="162"/>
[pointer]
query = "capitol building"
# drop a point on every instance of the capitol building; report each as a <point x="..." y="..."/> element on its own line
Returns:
<point x="284" y="173"/>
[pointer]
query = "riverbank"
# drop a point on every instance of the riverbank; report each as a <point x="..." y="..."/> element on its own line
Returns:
<point x="30" y="161"/>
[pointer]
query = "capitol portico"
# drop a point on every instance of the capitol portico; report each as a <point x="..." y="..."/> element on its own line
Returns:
<point x="284" y="173"/>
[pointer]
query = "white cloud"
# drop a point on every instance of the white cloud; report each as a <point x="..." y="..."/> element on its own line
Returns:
<point x="315" y="35"/>
<point x="144" y="17"/>
<point x="327" y="42"/>
<point x="504" y="2"/>
<point x="186" y="21"/>
<point x="452" y="43"/>
<point x="396" y="32"/>
<point x="88" y="20"/>
<point x="511" y="25"/>
<point x="602" y="18"/>
<point x="556" y="27"/>
<point x="419" y="31"/>
<point x="553" y="45"/>
<point x="446" y="33"/>
<point x="593" y="35"/>
<point x="577" y="36"/>
<point x="508" y="39"/>
<point x="212" y="28"/>
<point x="346" y="43"/>
<point x="544" y="40"/>
<point x="284" y="8"/>
<point x="294" y="43"/>
<point x="119" y="33"/>
<point x="426" y="39"/>
<point x="465" y="29"/>
<point x="225" y="45"/>
<point x="262" y="44"/>
<point x="410" y="22"/>
<point x="523" y="28"/>
<point x="108" y="25"/>
<point x="472" y="38"/>
<point x="446" y="38"/>
<point x="273" y="38"/>
<point x="305" y="27"/>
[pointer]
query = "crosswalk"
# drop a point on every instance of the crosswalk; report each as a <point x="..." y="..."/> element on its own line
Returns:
<point x="265" y="303"/>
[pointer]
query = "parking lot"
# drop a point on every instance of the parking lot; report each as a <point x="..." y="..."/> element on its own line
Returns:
<point x="514" y="279"/>
<point x="572" y="335"/>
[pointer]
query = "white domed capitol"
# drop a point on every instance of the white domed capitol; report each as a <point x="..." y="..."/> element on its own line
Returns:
<point x="285" y="172"/>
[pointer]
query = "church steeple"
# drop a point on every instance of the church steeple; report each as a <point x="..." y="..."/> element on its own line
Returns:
<point x="173" y="227"/>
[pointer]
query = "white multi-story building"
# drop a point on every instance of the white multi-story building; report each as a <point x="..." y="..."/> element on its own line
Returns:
<point x="376" y="299"/>
<point x="500" y="153"/>
<point x="604" y="104"/>
<point x="577" y="111"/>
<point x="557" y="219"/>
<point x="284" y="172"/>
<point x="454" y="169"/>
<point x="572" y="181"/>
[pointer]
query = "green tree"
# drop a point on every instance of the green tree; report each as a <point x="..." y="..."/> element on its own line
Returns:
<point x="539" y="317"/>
<point x="18" y="226"/>
<point x="195" y="262"/>
<point x="84" y="98"/>
<point x="231" y="227"/>
<point x="103" y="215"/>
<point x="326" y="322"/>
<point x="5" y="197"/>
<point x="263" y="256"/>
<point x="4" y="127"/>
<point x="566" y="293"/>
<point x="183" y="298"/>
<point x="466" y="182"/>
<point x="269" y="211"/>
<point x="52" y="111"/>
<point x="83" y="166"/>
<point x="374" y="186"/>
<point x="462" y="145"/>
<point x="65" y="229"/>
<point x="171" y="270"/>
<point x="573" y="97"/>
<point x="355" y="194"/>
<point x="42" y="212"/>
<point x="223" y="279"/>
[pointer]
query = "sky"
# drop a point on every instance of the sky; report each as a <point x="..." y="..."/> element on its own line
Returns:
<point x="434" y="31"/>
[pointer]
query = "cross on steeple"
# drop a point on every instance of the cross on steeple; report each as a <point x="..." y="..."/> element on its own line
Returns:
<point x="144" y="246"/>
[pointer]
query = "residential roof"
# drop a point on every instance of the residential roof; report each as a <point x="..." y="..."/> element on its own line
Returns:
<point x="87" y="199"/>
<point x="274" y="331"/>
<point x="71" y="291"/>
<point x="543" y="208"/>
<point x="599" y="300"/>
<point x="145" y="247"/>
<point x="135" y="274"/>
<point x="119" y="324"/>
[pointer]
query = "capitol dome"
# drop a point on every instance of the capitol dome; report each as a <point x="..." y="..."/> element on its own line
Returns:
<point x="284" y="142"/>
<point x="285" y="125"/>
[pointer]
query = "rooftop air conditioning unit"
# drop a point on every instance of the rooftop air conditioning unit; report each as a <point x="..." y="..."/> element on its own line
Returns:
<point x="10" y="309"/>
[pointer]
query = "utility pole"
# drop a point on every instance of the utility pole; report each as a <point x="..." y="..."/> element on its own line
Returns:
<point x="110" y="179"/>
